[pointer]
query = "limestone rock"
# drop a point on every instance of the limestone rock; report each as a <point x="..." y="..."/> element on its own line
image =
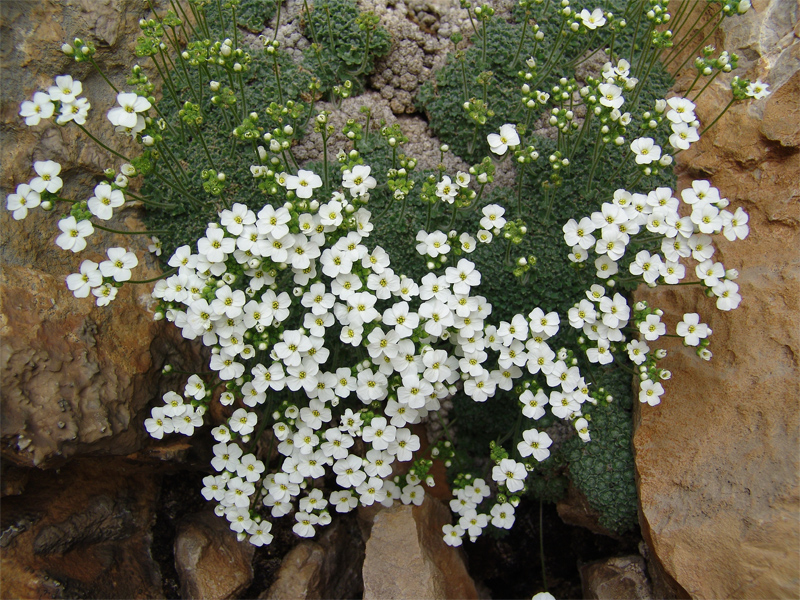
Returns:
<point x="406" y="556"/>
<point x="621" y="577"/>
<point x="329" y="567"/>
<point x="81" y="531"/>
<point x="717" y="462"/>
<point x="210" y="562"/>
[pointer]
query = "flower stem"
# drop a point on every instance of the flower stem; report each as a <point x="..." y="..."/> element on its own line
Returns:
<point x="159" y="231"/>
<point x="152" y="279"/>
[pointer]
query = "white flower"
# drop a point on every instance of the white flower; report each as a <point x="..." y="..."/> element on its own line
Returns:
<point x="463" y="277"/>
<point x="610" y="94"/>
<point x="104" y="294"/>
<point x="41" y="107"/>
<point x="734" y="225"/>
<point x="126" y="114"/>
<point x="535" y="443"/>
<point x="76" y="111"/>
<point x="158" y="424"/>
<point x="81" y="283"/>
<point x="357" y="180"/>
<point x="305" y="523"/>
<point x="502" y="515"/>
<point x="74" y="234"/>
<point x="119" y="264"/>
<point x="304" y="183"/>
<point x="692" y="330"/>
<point x="452" y="535"/>
<point x="650" y="392"/>
<point x="637" y="351"/>
<point x="683" y="135"/>
<point x="511" y="474"/>
<point x="446" y="190"/>
<point x="682" y="110"/>
<point x="508" y="137"/>
<point x="24" y="198"/>
<point x="493" y="217"/>
<point x="592" y="20"/>
<point x="48" y="179"/>
<point x="65" y="90"/>
<point x="104" y="201"/>
<point x="646" y="150"/>
<point x="757" y="89"/>
<point x="432" y="244"/>
<point x="652" y="328"/>
<point x="727" y="293"/>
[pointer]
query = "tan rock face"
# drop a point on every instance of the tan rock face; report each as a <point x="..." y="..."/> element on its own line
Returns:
<point x="209" y="560"/>
<point x="406" y="556"/>
<point x="717" y="460"/>
<point x="327" y="567"/>
<point x="75" y="378"/>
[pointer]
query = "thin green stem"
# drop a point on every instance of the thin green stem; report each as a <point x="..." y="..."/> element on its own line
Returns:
<point x="703" y="89"/>
<point x="103" y="75"/>
<point x="521" y="39"/>
<point x="719" y="116"/>
<point x="102" y="228"/>
<point x="101" y="144"/>
<point x="541" y="547"/>
<point x="152" y="279"/>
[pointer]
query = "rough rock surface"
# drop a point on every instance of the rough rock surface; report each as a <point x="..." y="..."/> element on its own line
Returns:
<point x="620" y="577"/>
<point x="81" y="532"/>
<point x="406" y="556"/>
<point x="209" y="560"/>
<point x="75" y="378"/>
<point x="717" y="460"/>
<point x="329" y="567"/>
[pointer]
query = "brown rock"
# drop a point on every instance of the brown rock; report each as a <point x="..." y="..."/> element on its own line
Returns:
<point x="406" y="556"/>
<point x="327" y="568"/>
<point x="75" y="378"/>
<point x="782" y="114"/>
<point x="299" y="577"/>
<point x="614" y="578"/>
<point x="210" y="562"/>
<point x="574" y="509"/>
<point x="81" y="531"/>
<point x="717" y="462"/>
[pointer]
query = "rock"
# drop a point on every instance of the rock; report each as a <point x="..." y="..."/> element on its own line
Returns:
<point x="406" y="556"/>
<point x="717" y="460"/>
<point x="574" y="509"/>
<point x="782" y="114"/>
<point x="621" y="577"/>
<point x="327" y="568"/>
<point x="82" y="531"/>
<point x="75" y="378"/>
<point x="210" y="562"/>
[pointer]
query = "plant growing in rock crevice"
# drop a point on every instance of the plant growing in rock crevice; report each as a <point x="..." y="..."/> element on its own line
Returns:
<point x="325" y="350"/>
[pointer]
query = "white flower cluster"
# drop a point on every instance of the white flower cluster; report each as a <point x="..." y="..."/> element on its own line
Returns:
<point x="611" y="231"/>
<point x="62" y="96"/>
<point x="421" y="339"/>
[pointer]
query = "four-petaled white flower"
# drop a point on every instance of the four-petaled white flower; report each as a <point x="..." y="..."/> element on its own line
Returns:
<point x="74" y="234"/>
<point x="646" y="150"/>
<point x="119" y="264"/>
<point x="126" y="114"/>
<point x="508" y="137"/>
<point x="41" y="107"/>
<point x="304" y="183"/>
<point x="80" y="284"/>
